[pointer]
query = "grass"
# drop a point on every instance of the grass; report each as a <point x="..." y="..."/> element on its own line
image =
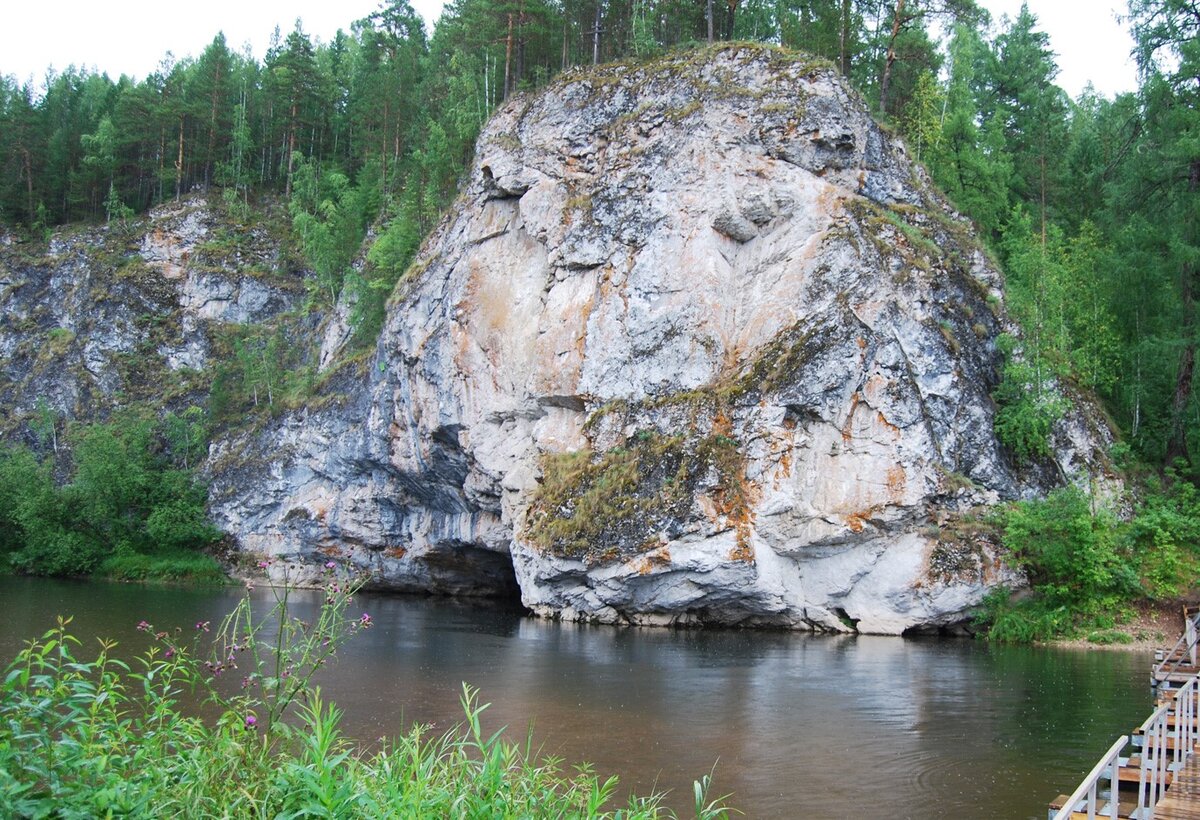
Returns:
<point x="192" y="567"/>
<point x="108" y="737"/>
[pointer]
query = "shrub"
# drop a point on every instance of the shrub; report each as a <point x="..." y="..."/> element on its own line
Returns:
<point x="126" y="495"/>
<point x="103" y="737"/>
<point x="1165" y="534"/>
<point x="1026" y="405"/>
<point x="1068" y="552"/>
<point x="1078" y="571"/>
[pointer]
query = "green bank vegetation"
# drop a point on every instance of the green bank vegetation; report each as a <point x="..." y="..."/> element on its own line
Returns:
<point x="118" y="498"/>
<point x="104" y="736"/>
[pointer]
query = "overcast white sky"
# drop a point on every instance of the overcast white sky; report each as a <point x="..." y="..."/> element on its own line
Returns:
<point x="132" y="36"/>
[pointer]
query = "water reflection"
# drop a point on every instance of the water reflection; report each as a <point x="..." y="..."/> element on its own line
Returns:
<point x="797" y="725"/>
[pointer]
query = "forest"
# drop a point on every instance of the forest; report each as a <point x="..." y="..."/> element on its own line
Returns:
<point x="1090" y="205"/>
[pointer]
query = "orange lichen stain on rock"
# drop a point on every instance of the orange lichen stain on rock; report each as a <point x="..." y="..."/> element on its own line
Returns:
<point x="319" y="511"/>
<point x="861" y="342"/>
<point x="848" y="426"/>
<point x="896" y="480"/>
<point x="887" y="425"/>
<point x="657" y="559"/>
<point x="395" y="552"/>
<point x="742" y="552"/>
<point x="855" y="522"/>
<point x="785" y="466"/>
<point x="874" y="388"/>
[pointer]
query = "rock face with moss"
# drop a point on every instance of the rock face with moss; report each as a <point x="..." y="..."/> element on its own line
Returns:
<point x="106" y="316"/>
<point x="698" y="343"/>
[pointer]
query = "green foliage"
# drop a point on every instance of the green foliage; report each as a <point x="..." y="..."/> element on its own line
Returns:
<point x="1069" y="551"/>
<point x="1026" y="406"/>
<point x="26" y="494"/>
<point x="387" y="262"/>
<point x="1165" y="533"/>
<point x="192" y="567"/>
<point x="921" y="123"/>
<point x="1079" y="563"/>
<point x="106" y="737"/>
<point x="1021" y="621"/>
<point x="263" y="369"/>
<point x="330" y="216"/>
<point x="125" y="497"/>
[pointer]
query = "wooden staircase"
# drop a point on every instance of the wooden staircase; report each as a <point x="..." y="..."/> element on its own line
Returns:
<point x="1154" y="772"/>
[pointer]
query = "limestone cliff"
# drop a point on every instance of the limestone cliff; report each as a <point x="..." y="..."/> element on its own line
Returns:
<point x="99" y="317"/>
<point x="697" y="343"/>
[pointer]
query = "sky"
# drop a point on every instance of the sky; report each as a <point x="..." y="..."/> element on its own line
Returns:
<point x="132" y="36"/>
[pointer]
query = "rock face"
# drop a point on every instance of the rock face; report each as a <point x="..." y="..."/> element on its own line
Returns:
<point x="698" y="343"/>
<point x="109" y="315"/>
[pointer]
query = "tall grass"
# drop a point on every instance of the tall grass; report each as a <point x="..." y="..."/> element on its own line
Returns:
<point x="106" y="737"/>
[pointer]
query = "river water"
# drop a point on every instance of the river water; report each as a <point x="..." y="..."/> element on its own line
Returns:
<point x="795" y="725"/>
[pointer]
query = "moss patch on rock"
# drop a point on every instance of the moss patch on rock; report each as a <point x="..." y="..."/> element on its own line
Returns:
<point x="627" y="501"/>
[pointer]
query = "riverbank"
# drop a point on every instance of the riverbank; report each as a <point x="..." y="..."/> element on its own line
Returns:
<point x="84" y="735"/>
<point x="1151" y="625"/>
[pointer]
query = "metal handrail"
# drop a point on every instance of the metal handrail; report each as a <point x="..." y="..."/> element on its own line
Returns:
<point x="1189" y="638"/>
<point x="1086" y="797"/>
<point x="1160" y="758"/>
<point x="1152" y="776"/>
<point x="1159" y="761"/>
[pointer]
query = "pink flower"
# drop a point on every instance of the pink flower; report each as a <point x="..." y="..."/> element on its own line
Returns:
<point x="251" y="721"/>
<point x="170" y="653"/>
<point x="330" y="565"/>
<point x="365" y="620"/>
<point x="143" y="626"/>
<point x="202" y="625"/>
<point x="264" y="564"/>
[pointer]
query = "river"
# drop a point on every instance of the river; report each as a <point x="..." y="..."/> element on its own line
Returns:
<point x="794" y="725"/>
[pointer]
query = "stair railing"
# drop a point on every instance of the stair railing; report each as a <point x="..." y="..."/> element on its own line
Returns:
<point x="1185" y="647"/>
<point x="1088" y="797"/>
<point x="1156" y="762"/>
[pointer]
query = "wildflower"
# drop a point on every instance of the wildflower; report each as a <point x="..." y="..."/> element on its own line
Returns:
<point x="202" y="625"/>
<point x="330" y="564"/>
<point x="364" y="621"/>
<point x="251" y="721"/>
<point x="264" y="564"/>
<point x="170" y="653"/>
<point x="246" y="682"/>
<point x="143" y="626"/>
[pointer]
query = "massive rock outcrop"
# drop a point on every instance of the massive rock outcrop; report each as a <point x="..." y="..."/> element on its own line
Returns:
<point x="697" y="343"/>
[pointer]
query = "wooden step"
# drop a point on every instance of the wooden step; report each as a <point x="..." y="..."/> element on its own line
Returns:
<point x="1137" y="738"/>
<point x="1124" y="808"/>
<point x="1130" y="775"/>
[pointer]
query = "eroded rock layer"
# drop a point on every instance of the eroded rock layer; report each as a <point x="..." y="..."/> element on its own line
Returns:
<point x="698" y="343"/>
